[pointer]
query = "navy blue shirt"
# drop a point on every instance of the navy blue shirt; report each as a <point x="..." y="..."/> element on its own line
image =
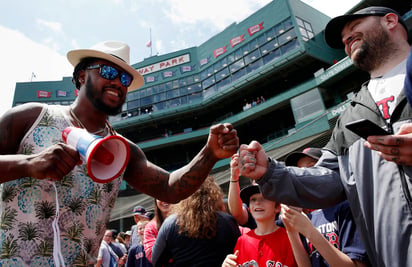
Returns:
<point x="137" y="257"/>
<point x="337" y="226"/>
<point x="185" y="251"/>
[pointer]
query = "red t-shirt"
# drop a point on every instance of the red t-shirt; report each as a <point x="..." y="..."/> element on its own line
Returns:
<point x="273" y="249"/>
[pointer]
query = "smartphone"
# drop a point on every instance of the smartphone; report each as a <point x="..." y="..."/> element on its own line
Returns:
<point x="365" y="128"/>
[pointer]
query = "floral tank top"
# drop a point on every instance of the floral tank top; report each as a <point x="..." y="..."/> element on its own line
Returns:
<point x="49" y="223"/>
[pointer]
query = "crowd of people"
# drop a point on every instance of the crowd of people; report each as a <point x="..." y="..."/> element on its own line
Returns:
<point x="253" y="102"/>
<point x="347" y="204"/>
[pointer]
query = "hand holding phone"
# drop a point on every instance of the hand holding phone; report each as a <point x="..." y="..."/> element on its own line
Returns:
<point x="365" y="128"/>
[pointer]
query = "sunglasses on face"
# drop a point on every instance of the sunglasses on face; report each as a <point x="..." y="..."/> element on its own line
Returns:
<point x="110" y="73"/>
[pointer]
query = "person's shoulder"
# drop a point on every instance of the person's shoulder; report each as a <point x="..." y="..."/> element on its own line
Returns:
<point x="28" y="110"/>
<point x="170" y="220"/>
<point x="19" y="119"/>
<point x="225" y="216"/>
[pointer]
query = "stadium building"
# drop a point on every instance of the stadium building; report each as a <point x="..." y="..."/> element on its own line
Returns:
<point x="271" y="75"/>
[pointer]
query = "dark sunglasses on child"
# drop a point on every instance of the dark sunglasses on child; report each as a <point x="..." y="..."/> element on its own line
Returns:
<point x="111" y="73"/>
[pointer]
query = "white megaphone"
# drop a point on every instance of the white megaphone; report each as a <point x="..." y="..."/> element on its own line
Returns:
<point x="105" y="157"/>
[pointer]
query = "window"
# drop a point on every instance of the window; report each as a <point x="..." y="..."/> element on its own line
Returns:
<point x="206" y="73"/>
<point x="253" y="44"/>
<point x="253" y="66"/>
<point x="172" y="93"/>
<point x="308" y="105"/>
<point x="271" y="56"/>
<point x="208" y="82"/>
<point x="238" y="53"/>
<point x="287" y="24"/>
<point x="159" y="106"/>
<point x="183" y="90"/>
<point x="159" y="97"/>
<point x="237" y="65"/>
<point x="175" y="84"/>
<point x="222" y="74"/>
<point x="133" y="104"/>
<point x="220" y="64"/>
<point x="261" y="40"/>
<point x="162" y="87"/>
<point x="283" y="26"/>
<point x="173" y="103"/>
<point x="183" y="100"/>
<point x="197" y="87"/>
<point x="209" y="92"/>
<point x="287" y="36"/>
<point x="289" y="46"/>
<point x="246" y="49"/>
<point x="305" y="29"/>
<point x="270" y="34"/>
<point x="182" y="82"/>
<point x="168" y="86"/>
<point x="223" y="83"/>
<point x="238" y="74"/>
<point x="194" y="97"/>
<point x="133" y="95"/>
<point x="147" y="100"/>
<point x="252" y="56"/>
<point x="272" y="45"/>
<point x="142" y="93"/>
<point x="231" y="58"/>
<point x="196" y="78"/>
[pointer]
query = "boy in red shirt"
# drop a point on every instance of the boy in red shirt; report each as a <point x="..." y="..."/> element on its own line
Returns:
<point x="268" y="244"/>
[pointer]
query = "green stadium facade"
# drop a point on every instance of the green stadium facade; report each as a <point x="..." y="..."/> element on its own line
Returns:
<point x="271" y="75"/>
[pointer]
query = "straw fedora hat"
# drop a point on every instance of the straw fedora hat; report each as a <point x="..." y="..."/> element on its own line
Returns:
<point x="113" y="51"/>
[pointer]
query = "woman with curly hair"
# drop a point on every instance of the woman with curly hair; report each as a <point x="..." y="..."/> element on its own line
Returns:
<point x="199" y="231"/>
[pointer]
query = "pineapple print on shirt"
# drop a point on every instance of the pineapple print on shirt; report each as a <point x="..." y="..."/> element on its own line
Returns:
<point x="28" y="206"/>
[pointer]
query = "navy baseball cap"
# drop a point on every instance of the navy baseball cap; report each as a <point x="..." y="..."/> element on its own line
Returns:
<point x="333" y="30"/>
<point x="247" y="192"/>
<point x="140" y="211"/>
<point x="312" y="152"/>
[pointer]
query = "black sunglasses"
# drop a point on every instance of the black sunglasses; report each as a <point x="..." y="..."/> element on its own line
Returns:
<point x="110" y="73"/>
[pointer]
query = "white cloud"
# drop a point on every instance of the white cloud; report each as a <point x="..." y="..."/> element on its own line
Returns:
<point x="218" y="13"/>
<point x="21" y="57"/>
<point x="331" y="8"/>
<point x="54" y="26"/>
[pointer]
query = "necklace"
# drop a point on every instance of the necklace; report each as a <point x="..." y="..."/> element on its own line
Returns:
<point x="79" y="123"/>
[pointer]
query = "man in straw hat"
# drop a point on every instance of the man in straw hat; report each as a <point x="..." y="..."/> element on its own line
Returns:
<point x="44" y="186"/>
<point x="374" y="175"/>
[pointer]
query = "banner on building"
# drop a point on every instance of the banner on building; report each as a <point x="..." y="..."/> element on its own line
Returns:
<point x="255" y="28"/>
<point x="237" y="40"/>
<point x="62" y="93"/>
<point x="41" y="93"/>
<point x="219" y="51"/>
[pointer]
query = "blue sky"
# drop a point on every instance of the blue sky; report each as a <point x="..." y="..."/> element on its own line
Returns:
<point x="36" y="35"/>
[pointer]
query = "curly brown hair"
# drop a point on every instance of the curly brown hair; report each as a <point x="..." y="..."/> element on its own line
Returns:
<point x="196" y="215"/>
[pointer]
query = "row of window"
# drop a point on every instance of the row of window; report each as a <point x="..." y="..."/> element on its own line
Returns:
<point x="269" y="46"/>
<point x="198" y="92"/>
<point x="275" y="32"/>
<point x="257" y="58"/>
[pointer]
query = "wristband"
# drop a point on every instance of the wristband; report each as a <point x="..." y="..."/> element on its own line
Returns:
<point x="233" y="181"/>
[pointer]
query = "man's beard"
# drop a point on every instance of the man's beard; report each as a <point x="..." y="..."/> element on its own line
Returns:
<point x="98" y="103"/>
<point x="373" y="51"/>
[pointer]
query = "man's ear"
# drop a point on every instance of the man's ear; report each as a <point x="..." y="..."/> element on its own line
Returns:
<point x="82" y="78"/>
<point x="391" y="20"/>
